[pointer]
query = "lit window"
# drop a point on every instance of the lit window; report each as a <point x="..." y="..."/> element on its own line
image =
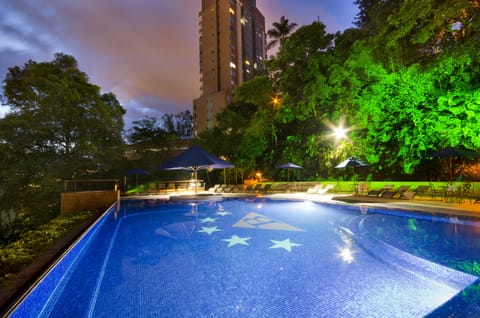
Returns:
<point x="243" y="20"/>
<point x="247" y="62"/>
<point x="232" y="65"/>
<point x="231" y="11"/>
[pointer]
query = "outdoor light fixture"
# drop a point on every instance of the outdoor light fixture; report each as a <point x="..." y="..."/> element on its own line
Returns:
<point x="276" y="101"/>
<point x="340" y="132"/>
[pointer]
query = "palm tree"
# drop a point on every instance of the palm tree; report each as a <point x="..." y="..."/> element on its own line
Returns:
<point x="280" y="32"/>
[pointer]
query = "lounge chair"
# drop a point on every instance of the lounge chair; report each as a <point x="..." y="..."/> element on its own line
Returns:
<point x="228" y="189"/>
<point x="214" y="188"/>
<point x="327" y="188"/>
<point x="237" y="188"/>
<point x="401" y="190"/>
<point x="249" y="188"/>
<point x="410" y="195"/>
<point x="256" y="188"/>
<point x="314" y="189"/>
<point x="435" y="193"/>
<point x="265" y="188"/>
<point x="221" y="188"/>
<point x="374" y="193"/>
<point x="385" y="192"/>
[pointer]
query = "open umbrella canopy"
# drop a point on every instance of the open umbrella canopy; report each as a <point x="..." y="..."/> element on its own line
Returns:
<point x="289" y="165"/>
<point x="352" y="162"/>
<point x="195" y="158"/>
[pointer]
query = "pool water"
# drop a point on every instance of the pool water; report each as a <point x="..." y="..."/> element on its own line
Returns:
<point x="254" y="258"/>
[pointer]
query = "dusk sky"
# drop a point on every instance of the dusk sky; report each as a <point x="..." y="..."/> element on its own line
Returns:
<point x="144" y="51"/>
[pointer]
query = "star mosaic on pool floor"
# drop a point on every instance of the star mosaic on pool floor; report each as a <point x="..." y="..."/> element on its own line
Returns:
<point x="209" y="229"/>
<point x="208" y="219"/>
<point x="235" y="239"/>
<point x="285" y="244"/>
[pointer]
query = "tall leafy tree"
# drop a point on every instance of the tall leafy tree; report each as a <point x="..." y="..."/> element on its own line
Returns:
<point x="280" y="31"/>
<point x="60" y="127"/>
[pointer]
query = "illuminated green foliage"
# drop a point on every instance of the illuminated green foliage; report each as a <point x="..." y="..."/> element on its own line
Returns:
<point x="405" y="81"/>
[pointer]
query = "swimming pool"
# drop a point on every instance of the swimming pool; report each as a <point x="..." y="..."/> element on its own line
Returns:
<point x="260" y="258"/>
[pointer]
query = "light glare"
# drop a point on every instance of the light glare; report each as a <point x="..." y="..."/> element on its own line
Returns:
<point x="346" y="255"/>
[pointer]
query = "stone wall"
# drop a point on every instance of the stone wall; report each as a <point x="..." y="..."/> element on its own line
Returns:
<point x="88" y="200"/>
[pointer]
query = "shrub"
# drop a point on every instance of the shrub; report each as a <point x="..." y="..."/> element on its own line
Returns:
<point x="17" y="255"/>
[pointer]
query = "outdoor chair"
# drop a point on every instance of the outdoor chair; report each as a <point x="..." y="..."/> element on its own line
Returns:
<point x="221" y="188"/>
<point x="214" y="188"/>
<point x="387" y="194"/>
<point x="465" y="191"/>
<point x="256" y="188"/>
<point x="327" y="188"/>
<point x="228" y="189"/>
<point x="450" y="192"/>
<point x="362" y="188"/>
<point x="400" y="191"/>
<point x="374" y="193"/>
<point x="265" y="188"/>
<point x="314" y="189"/>
<point x="435" y="193"/>
<point x="410" y="195"/>
<point x="249" y="188"/>
<point x="237" y="188"/>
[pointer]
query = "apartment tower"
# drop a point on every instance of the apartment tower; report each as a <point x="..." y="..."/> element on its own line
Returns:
<point x="232" y="49"/>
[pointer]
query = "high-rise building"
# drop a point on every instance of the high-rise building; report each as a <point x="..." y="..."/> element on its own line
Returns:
<point x="232" y="48"/>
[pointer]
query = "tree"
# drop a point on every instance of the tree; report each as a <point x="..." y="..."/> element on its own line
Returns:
<point x="60" y="127"/>
<point x="280" y="32"/>
<point x="180" y="124"/>
<point x="148" y="135"/>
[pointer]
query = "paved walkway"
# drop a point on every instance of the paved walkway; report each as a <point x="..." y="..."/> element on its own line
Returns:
<point x="420" y="204"/>
<point x="467" y="208"/>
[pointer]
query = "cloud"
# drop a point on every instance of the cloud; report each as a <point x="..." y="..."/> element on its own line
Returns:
<point x="134" y="49"/>
<point x="145" y="51"/>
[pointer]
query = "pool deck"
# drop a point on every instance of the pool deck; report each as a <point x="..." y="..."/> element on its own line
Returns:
<point x="419" y="204"/>
<point x="465" y="208"/>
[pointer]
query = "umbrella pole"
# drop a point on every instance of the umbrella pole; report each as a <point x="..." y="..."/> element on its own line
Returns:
<point x="354" y="185"/>
<point x="195" y="181"/>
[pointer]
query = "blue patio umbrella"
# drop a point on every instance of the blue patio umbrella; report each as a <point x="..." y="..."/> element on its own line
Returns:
<point x="352" y="162"/>
<point x="194" y="159"/>
<point x="288" y="166"/>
